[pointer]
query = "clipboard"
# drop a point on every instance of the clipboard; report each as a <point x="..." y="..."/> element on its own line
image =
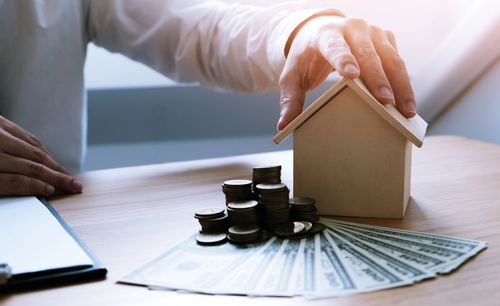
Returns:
<point x="57" y="276"/>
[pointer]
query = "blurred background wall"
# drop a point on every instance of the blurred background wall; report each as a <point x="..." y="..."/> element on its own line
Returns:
<point x="137" y="116"/>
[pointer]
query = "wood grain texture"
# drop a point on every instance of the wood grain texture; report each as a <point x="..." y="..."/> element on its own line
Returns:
<point x="130" y="215"/>
<point x="351" y="168"/>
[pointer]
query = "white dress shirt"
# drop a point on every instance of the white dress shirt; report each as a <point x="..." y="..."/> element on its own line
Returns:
<point x="43" y="46"/>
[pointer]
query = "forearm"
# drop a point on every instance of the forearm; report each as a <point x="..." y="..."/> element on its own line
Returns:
<point x="227" y="46"/>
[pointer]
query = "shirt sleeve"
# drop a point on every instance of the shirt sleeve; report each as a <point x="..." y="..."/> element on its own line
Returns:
<point x="227" y="46"/>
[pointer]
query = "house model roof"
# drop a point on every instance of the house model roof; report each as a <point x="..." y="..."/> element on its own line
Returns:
<point x="412" y="128"/>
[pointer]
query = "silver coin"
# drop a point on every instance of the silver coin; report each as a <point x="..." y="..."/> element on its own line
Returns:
<point x="307" y="226"/>
<point x="272" y="187"/>
<point x="289" y="229"/>
<point x="237" y="183"/>
<point x="209" y="212"/>
<point x="210" y="238"/>
<point x="242" y="204"/>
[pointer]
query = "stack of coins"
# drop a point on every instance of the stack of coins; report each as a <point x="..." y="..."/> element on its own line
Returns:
<point x="266" y="175"/>
<point x="274" y="202"/>
<point x="303" y="209"/>
<point x="245" y="221"/>
<point x="243" y="213"/>
<point x="214" y="224"/>
<point x="237" y="190"/>
<point x="246" y="234"/>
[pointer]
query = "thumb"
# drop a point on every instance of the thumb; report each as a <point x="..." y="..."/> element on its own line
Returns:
<point x="291" y="100"/>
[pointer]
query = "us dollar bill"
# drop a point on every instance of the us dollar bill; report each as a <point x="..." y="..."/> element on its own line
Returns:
<point x="191" y="267"/>
<point x="366" y="273"/>
<point x="451" y="251"/>
<point x="248" y="274"/>
<point x="334" y="277"/>
<point x="403" y="269"/>
<point x="449" y="242"/>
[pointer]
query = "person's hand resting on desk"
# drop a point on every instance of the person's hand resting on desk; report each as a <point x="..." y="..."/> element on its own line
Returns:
<point x="354" y="49"/>
<point x="26" y="168"/>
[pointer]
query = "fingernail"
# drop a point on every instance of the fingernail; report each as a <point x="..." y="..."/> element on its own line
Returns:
<point x="385" y="92"/>
<point x="77" y="185"/>
<point x="49" y="189"/>
<point x="351" y="68"/>
<point x="410" y="106"/>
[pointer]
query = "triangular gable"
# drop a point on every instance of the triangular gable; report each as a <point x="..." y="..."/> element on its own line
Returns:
<point x="413" y="129"/>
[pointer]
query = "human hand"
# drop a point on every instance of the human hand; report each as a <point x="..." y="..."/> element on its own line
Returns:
<point x="26" y="168"/>
<point x="354" y="49"/>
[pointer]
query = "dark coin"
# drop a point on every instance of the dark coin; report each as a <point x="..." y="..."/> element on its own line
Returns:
<point x="267" y="168"/>
<point x="210" y="239"/>
<point x="209" y="213"/>
<point x="239" y="234"/>
<point x="302" y="201"/>
<point x="244" y="217"/>
<point x="220" y="224"/>
<point x="316" y="228"/>
<point x="289" y="229"/>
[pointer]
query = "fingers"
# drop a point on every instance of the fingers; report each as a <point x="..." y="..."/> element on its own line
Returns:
<point x="372" y="72"/>
<point x="292" y="97"/>
<point x="337" y="52"/>
<point x="395" y="70"/>
<point x="29" y="138"/>
<point x="20" y="185"/>
<point x="17" y="147"/>
<point x="292" y="90"/>
<point x="28" y="168"/>
<point x="392" y="39"/>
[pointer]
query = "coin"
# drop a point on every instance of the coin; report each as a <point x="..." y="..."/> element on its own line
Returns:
<point x="271" y="187"/>
<point x="267" y="168"/>
<point x="316" y="228"/>
<point x="237" y="183"/>
<point x="243" y="204"/>
<point x="303" y="209"/>
<point x="237" y="190"/>
<point x="219" y="224"/>
<point x="289" y="229"/>
<point x="302" y="201"/>
<point x="274" y="202"/>
<point x="239" y="234"/>
<point x="208" y="213"/>
<point x="243" y="217"/>
<point x="266" y="174"/>
<point x="210" y="239"/>
<point x="307" y="226"/>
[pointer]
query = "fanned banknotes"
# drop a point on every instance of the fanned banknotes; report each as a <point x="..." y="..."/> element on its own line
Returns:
<point x="345" y="258"/>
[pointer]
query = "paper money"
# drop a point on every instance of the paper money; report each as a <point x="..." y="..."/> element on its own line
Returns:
<point x="345" y="258"/>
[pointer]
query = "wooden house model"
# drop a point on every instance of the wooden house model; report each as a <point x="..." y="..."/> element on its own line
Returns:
<point x="353" y="154"/>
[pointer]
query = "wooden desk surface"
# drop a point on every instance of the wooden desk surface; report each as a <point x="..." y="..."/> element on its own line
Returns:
<point x="128" y="216"/>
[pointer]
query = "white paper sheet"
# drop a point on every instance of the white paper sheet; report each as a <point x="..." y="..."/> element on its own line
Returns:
<point x="31" y="238"/>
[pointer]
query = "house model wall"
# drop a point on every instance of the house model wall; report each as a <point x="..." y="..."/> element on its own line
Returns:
<point x="353" y="154"/>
